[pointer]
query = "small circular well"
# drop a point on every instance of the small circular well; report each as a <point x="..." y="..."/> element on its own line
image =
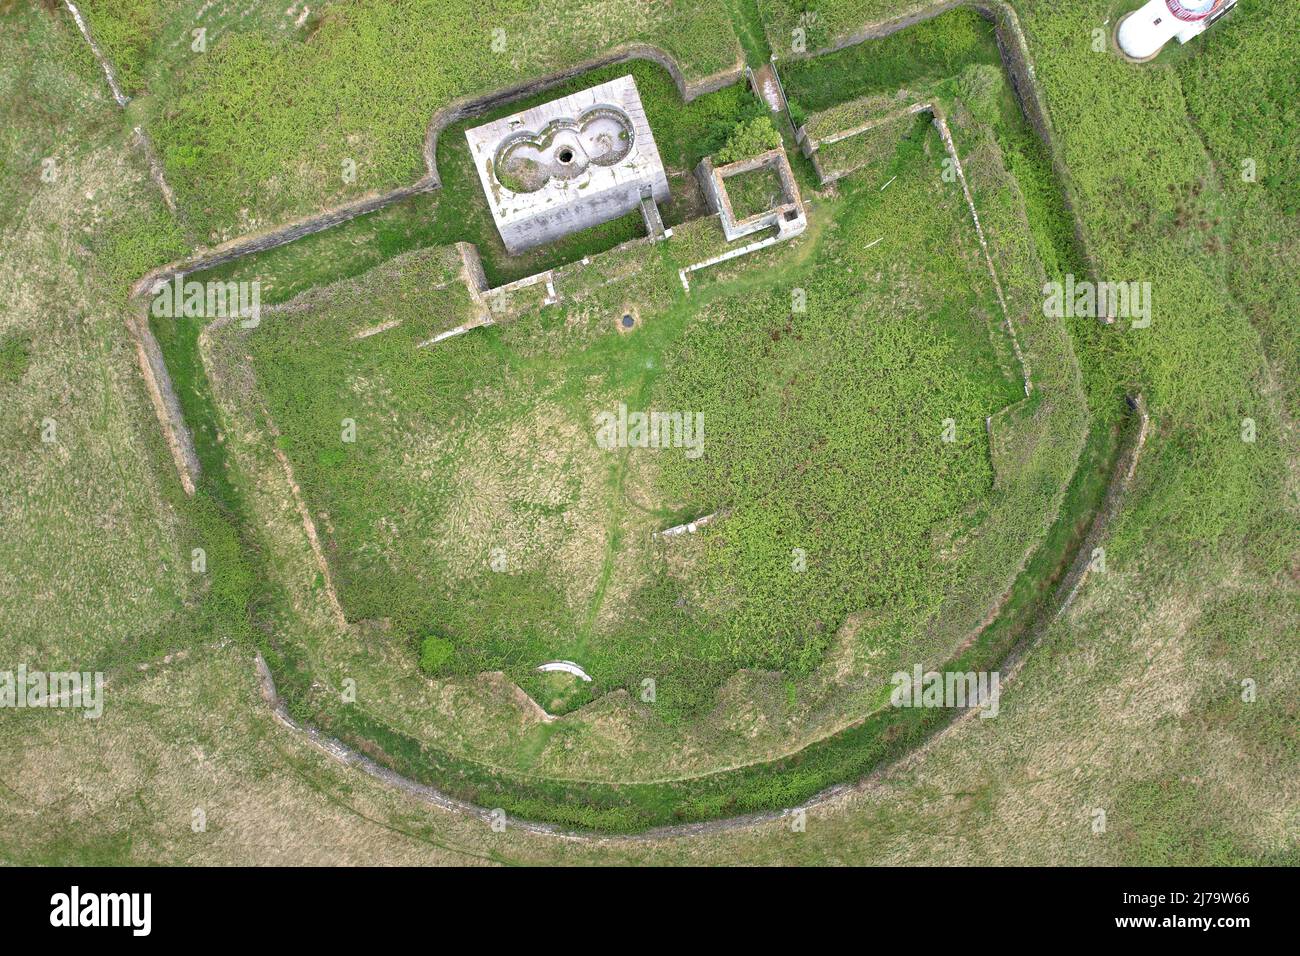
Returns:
<point x="565" y="155"/>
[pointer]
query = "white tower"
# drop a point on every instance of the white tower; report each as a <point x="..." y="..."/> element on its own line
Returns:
<point x="1144" y="32"/>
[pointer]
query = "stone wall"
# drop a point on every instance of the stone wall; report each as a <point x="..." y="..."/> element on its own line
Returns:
<point x="787" y="216"/>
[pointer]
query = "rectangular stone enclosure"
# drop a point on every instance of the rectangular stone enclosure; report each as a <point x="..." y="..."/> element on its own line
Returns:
<point x="568" y="164"/>
<point x="787" y="214"/>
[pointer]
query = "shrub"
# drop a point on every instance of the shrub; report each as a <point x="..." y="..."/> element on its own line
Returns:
<point x="435" y="652"/>
<point x="750" y="138"/>
<point x="14" y="359"/>
<point x="980" y="86"/>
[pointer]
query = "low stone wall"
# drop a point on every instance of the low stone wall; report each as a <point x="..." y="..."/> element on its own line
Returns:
<point x="654" y="222"/>
<point x="278" y="236"/>
<point x="713" y="182"/>
<point x="167" y="406"/>
<point x="1125" y="468"/>
<point x="472" y="264"/>
<point x="109" y="73"/>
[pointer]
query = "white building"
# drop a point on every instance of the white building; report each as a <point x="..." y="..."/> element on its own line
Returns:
<point x="1144" y="32"/>
<point x="568" y="164"/>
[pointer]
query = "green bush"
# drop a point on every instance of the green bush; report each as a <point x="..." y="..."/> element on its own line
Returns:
<point x="14" y="359"/>
<point x="435" y="652"/>
<point x="750" y="138"/>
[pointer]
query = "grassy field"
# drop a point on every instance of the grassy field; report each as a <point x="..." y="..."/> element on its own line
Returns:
<point x="95" y="556"/>
<point x="478" y="613"/>
<point x="246" y="143"/>
<point x="1129" y="703"/>
<point x="754" y="192"/>
<point x="684" y="134"/>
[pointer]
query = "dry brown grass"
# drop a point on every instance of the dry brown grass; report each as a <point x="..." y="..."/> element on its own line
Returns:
<point x="89" y="556"/>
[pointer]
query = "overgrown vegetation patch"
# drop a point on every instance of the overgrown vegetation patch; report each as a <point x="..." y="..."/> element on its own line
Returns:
<point x="15" y="357"/>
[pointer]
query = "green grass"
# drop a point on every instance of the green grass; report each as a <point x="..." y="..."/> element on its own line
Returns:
<point x="875" y="145"/>
<point x="1242" y="97"/>
<point x="684" y="134"/>
<point x="124" y="31"/>
<point x="15" y="357"/>
<point x="754" y="192"/>
<point x="822" y="22"/>
<point x="910" y="59"/>
<point x="268" y="102"/>
<point x="1167" y="822"/>
<point x="747" y="22"/>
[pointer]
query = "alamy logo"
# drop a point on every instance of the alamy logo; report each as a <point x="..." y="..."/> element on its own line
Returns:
<point x="208" y="300"/>
<point x="624" y="429"/>
<point x="956" y="689"/>
<point x="24" y="688"/>
<point x="1098" y="300"/>
<point x="103" y="909"/>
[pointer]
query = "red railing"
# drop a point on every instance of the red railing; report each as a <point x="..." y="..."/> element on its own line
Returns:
<point x="1180" y="9"/>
